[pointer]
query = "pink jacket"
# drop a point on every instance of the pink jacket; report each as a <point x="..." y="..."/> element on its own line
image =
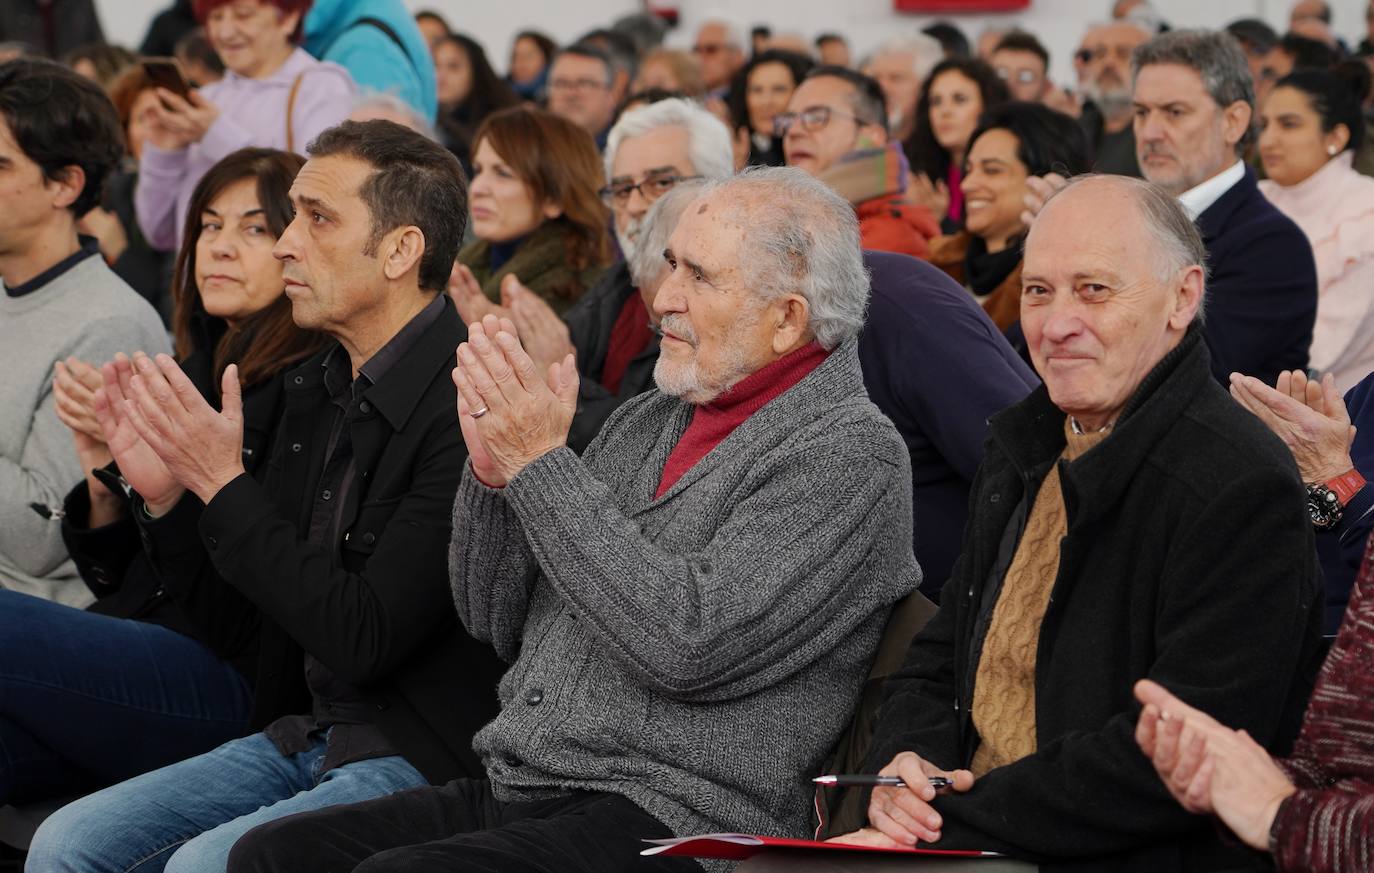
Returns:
<point x="1335" y="209"/>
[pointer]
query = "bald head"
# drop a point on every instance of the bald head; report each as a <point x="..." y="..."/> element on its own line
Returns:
<point x="1112" y="278"/>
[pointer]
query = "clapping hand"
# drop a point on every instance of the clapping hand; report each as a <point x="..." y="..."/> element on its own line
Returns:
<point x="138" y="464"/>
<point x="1210" y="768"/>
<point x="1309" y="416"/>
<point x="543" y="334"/>
<point x="510" y="412"/>
<point x="468" y="298"/>
<point x="932" y="195"/>
<point x="1040" y="190"/>
<point x="201" y="448"/>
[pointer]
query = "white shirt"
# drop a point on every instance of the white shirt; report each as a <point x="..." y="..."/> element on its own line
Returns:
<point x="1197" y="200"/>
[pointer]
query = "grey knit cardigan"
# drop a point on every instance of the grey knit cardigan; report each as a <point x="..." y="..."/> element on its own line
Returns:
<point x="699" y="653"/>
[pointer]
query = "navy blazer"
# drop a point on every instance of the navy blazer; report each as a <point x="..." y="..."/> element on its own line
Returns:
<point x="1261" y="286"/>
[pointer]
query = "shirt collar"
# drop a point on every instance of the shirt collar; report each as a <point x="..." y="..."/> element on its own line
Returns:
<point x="1199" y="199"/>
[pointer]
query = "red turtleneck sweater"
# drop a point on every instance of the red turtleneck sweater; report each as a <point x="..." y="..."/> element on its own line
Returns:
<point x="713" y="422"/>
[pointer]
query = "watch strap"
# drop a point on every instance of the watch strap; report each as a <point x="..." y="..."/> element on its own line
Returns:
<point x="1346" y="485"/>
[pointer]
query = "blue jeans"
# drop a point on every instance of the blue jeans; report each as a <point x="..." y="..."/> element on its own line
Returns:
<point x="185" y="818"/>
<point x="87" y="700"/>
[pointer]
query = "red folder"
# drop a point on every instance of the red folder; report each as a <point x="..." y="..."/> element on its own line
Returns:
<point x="737" y="847"/>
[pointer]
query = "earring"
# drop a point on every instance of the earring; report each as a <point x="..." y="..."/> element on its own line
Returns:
<point x="1331" y="150"/>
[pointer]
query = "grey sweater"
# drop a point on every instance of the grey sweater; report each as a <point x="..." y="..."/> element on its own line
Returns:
<point x="86" y="311"/>
<point x="700" y="653"/>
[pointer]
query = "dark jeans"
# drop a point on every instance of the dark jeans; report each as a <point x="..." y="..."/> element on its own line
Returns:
<point x="87" y="700"/>
<point x="460" y="826"/>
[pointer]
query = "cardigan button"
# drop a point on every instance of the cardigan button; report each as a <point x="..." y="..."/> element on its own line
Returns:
<point x="296" y="447"/>
<point x="534" y="696"/>
<point x="369" y="538"/>
<point x="364" y="407"/>
<point x="299" y="380"/>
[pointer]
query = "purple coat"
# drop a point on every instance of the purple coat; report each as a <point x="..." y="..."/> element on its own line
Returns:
<point x="252" y="113"/>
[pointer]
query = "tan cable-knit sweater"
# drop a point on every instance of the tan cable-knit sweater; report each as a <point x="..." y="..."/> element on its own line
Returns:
<point x="1004" y="687"/>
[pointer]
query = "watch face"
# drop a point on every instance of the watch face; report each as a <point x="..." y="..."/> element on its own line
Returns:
<point x="1323" y="507"/>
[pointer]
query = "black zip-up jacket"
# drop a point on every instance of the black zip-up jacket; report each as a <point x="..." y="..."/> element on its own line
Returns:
<point x="112" y="560"/>
<point x="377" y="612"/>
<point x="1189" y="560"/>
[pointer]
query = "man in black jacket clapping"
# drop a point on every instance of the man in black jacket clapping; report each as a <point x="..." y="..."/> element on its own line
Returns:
<point x="343" y="549"/>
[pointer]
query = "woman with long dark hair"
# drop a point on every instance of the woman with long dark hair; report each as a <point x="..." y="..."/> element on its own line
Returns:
<point x="955" y="95"/>
<point x="469" y="90"/>
<point x="156" y="671"/>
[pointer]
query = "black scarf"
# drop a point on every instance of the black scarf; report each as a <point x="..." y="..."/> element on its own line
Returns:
<point x="984" y="270"/>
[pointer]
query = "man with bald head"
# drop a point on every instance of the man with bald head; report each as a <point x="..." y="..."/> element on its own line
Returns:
<point x="1114" y="536"/>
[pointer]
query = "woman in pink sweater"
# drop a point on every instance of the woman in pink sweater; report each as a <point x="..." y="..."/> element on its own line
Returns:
<point x="1313" y="810"/>
<point x="1311" y="128"/>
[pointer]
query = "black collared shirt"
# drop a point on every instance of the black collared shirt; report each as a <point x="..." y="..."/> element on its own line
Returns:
<point x="89" y="248"/>
<point x="346" y="712"/>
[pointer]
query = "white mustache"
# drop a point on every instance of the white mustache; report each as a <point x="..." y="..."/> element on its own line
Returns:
<point x="678" y="325"/>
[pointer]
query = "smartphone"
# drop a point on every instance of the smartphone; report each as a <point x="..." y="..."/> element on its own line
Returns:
<point x="166" y="73"/>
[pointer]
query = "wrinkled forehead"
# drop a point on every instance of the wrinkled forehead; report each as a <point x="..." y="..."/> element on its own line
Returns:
<point x="1093" y="225"/>
<point x="332" y="178"/>
<point x="711" y="230"/>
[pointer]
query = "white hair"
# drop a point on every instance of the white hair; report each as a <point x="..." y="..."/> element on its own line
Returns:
<point x="925" y="51"/>
<point x="803" y="239"/>
<point x="708" y="140"/>
<point x="370" y="105"/>
<point x="659" y="223"/>
<point x="734" y="33"/>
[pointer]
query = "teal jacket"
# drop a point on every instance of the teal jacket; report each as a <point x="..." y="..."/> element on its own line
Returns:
<point x="335" y="31"/>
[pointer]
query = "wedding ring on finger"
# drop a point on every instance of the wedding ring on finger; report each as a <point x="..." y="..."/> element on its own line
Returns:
<point x="478" y="413"/>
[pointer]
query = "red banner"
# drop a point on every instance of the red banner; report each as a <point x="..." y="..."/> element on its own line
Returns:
<point x="945" y="7"/>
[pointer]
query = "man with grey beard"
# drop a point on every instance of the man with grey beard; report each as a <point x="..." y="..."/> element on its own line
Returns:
<point x="1106" y="85"/>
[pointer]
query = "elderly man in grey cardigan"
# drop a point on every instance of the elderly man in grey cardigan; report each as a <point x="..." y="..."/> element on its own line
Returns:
<point x="688" y="608"/>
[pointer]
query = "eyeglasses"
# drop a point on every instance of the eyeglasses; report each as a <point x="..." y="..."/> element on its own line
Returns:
<point x="577" y="85"/>
<point x="652" y="188"/>
<point x="811" y="118"/>
<point x="1021" y="77"/>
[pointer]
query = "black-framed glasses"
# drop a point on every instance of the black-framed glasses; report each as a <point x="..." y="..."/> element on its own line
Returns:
<point x="811" y="118"/>
<point x="651" y="188"/>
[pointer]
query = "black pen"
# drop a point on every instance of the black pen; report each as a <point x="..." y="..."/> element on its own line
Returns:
<point x="865" y="780"/>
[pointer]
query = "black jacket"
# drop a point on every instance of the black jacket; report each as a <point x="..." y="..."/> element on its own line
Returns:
<point x="112" y="560"/>
<point x="1261" y="298"/>
<point x="589" y="322"/>
<point x="377" y="611"/>
<point x="1188" y="560"/>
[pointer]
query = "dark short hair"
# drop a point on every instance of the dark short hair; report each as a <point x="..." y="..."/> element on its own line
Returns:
<point x="1253" y="35"/>
<point x="619" y="48"/>
<point x="868" y="103"/>
<point x="417" y="182"/>
<point x="1336" y="96"/>
<point x="587" y="50"/>
<point x="830" y="36"/>
<point x="951" y="39"/>
<point x="1308" y="53"/>
<point x="1021" y="41"/>
<point x="60" y="119"/>
<point x="1046" y="141"/>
